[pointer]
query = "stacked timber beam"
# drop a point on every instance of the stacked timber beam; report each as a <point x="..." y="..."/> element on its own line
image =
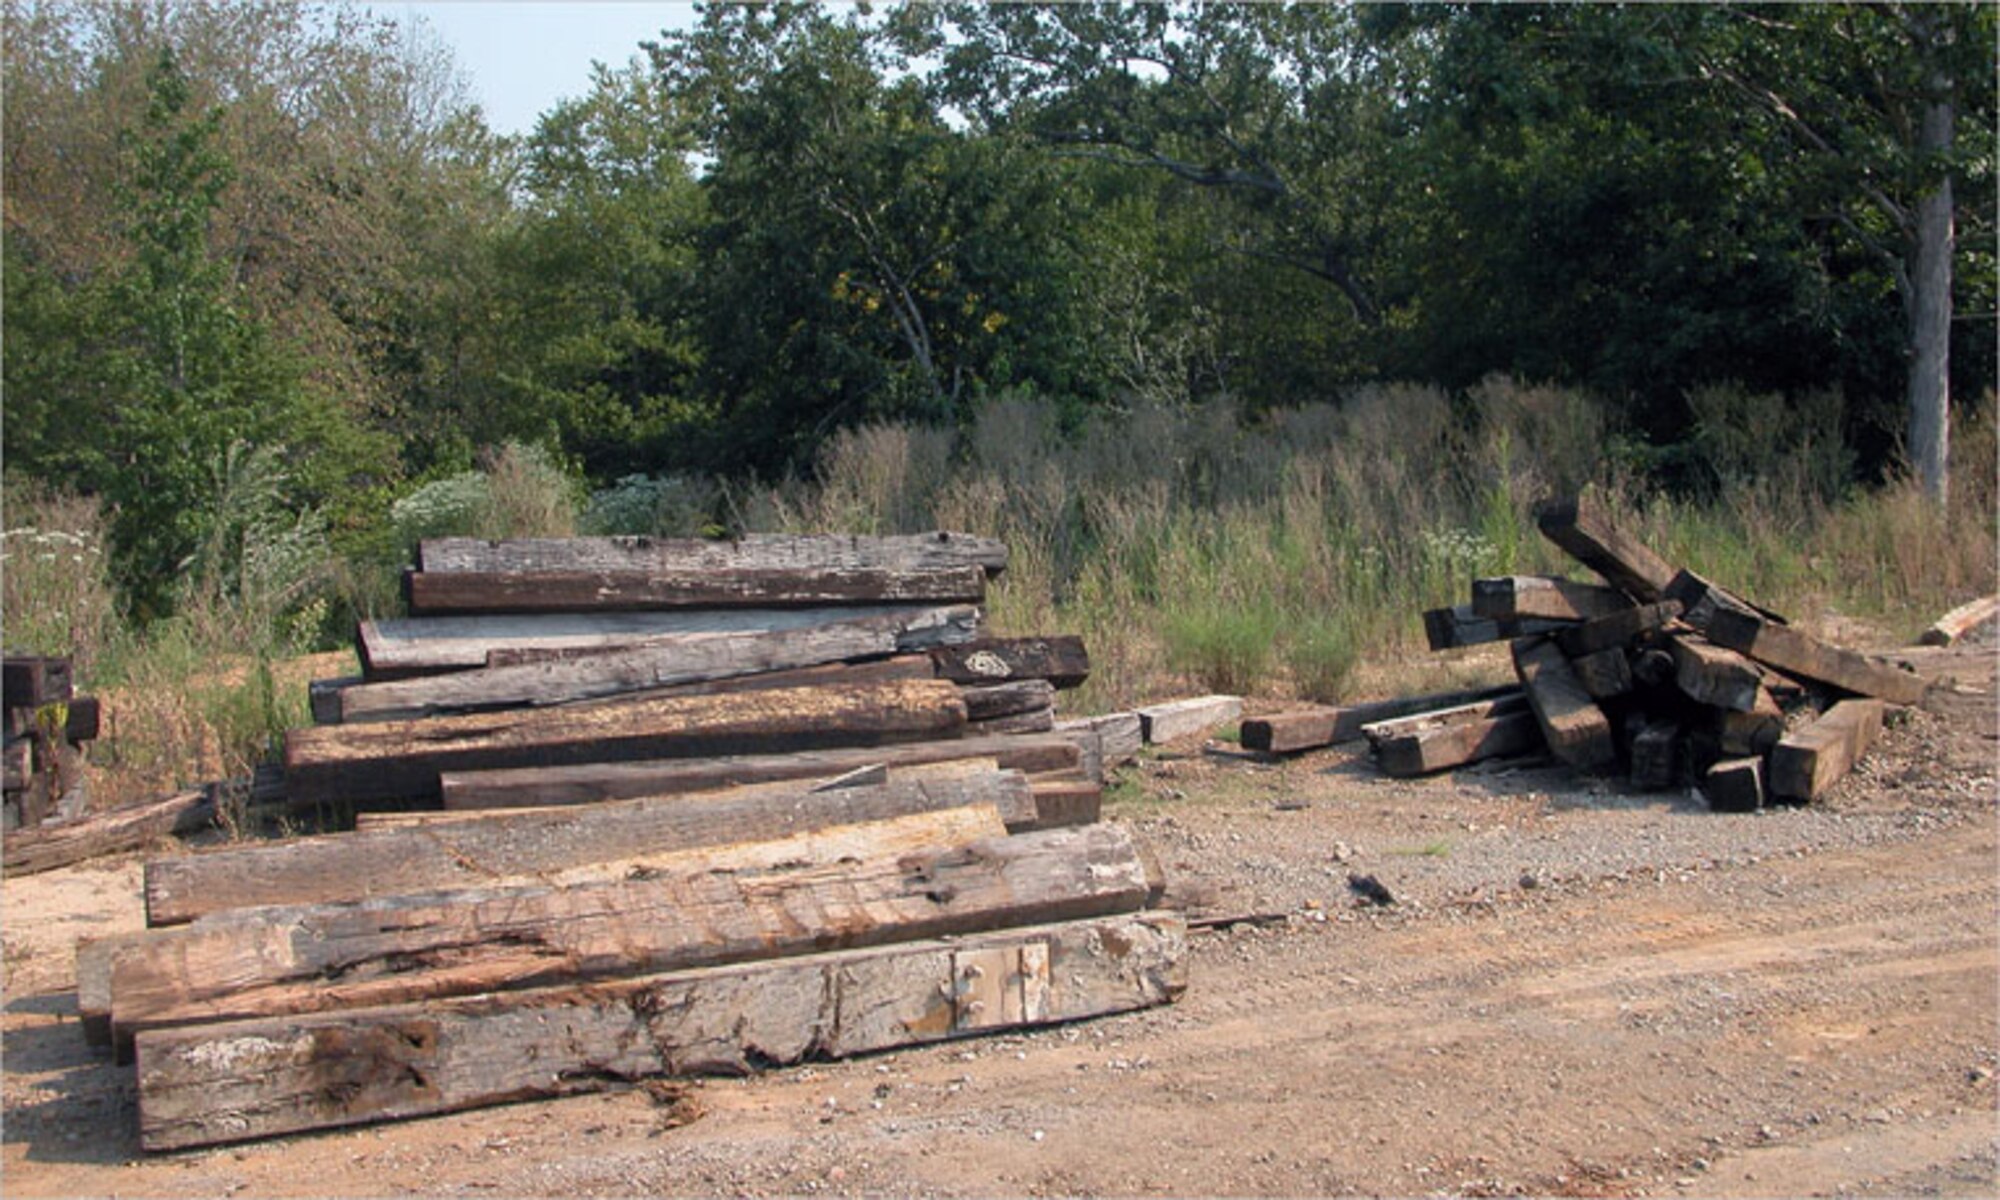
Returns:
<point x="631" y="808"/>
<point x="47" y="724"/>
<point x="1653" y="673"/>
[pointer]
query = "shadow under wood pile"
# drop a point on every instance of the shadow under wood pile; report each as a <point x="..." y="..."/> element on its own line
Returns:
<point x="685" y="807"/>
<point x="1653" y="673"/>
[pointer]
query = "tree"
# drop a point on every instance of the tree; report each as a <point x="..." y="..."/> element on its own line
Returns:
<point x="1267" y="105"/>
<point x="865" y="260"/>
<point x="1867" y="107"/>
<point x="601" y="267"/>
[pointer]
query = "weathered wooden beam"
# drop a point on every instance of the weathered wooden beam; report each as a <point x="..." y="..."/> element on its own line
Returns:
<point x="1581" y="526"/>
<point x="453" y="592"/>
<point x="1457" y="743"/>
<point x="1311" y="728"/>
<point x="1008" y="699"/>
<point x="1545" y="597"/>
<point x="1753" y="730"/>
<point x="32" y="680"/>
<point x="401" y="949"/>
<point x="1715" y="675"/>
<point x="508" y="844"/>
<point x="1506" y="704"/>
<point x="1700" y="600"/>
<point x="1040" y="720"/>
<point x="1735" y="785"/>
<point x="614" y="672"/>
<point x="1617" y="630"/>
<point x="1960" y="621"/>
<point x="1789" y="650"/>
<point x="1106" y="741"/>
<point x="1060" y="660"/>
<point x="757" y="551"/>
<point x="590" y="783"/>
<point x="1606" y="674"/>
<point x="1060" y="802"/>
<point x="230" y="1082"/>
<point x="1806" y="763"/>
<point x="62" y="843"/>
<point x="323" y="697"/>
<point x="1575" y="728"/>
<point x="395" y="648"/>
<point x="397" y="759"/>
<point x="1451" y="628"/>
<point x="1179" y="719"/>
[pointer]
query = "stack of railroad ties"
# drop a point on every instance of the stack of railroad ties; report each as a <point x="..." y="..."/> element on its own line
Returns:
<point x="47" y="724"/>
<point x="629" y="809"/>
<point x="1657" y="673"/>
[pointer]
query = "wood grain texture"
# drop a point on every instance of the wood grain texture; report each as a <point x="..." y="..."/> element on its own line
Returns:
<point x="255" y="1079"/>
<point x="1806" y="763"/>
<point x="612" y="672"/>
<point x="1575" y="728"/>
<point x="1060" y="660"/>
<point x="1546" y="598"/>
<point x="1960" y="621"/>
<point x="1616" y="630"/>
<point x="393" y="950"/>
<point x="1008" y="699"/>
<point x="761" y="551"/>
<point x="1177" y="719"/>
<point x="509" y="844"/>
<point x="403" y="759"/>
<point x="394" y="648"/>
<point x="1457" y="744"/>
<point x="474" y="592"/>
<point x="1505" y="705"/>
<point x="1451" y="628"/>
<point x="1106" y="741"/>
<point x="60" y="844"/>
<point x="1799" y="654"/>
<point x="1713" y="674"/>
<point x="591" y="783"/>
<point x="1308" y="729"/>
<point x="1582" y="527"/>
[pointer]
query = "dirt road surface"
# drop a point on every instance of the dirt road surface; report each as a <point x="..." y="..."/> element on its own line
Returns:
<point x="1579" y="990"/>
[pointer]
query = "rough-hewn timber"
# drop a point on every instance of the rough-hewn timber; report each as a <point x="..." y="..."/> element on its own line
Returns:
<point x="470" y="853"/>
<point x="589" y="783"/>
<point x="1179" y="719"/>
<point x="1960" y="621"/>
<point x="58" y="844"/>
<point x="612" y="672"/>
<point x="761" y="551"/>
<point x="1457" y="743"/>
<point x="1311" y="728"/>
<point x="395" y="648"/>
<point x="1580" y="526"/>
<point x="454" y="592"/>
<point x="1799" y="654"/>
<point x="255" y="1079"/>
<point x="1575" y="728"/>
<point x="1060" y="660"/>
<point x="396" y="759"/>
<point x="1545" y="597"/>
<point x="1808" y="762"/>
<point x="401" y="949"/>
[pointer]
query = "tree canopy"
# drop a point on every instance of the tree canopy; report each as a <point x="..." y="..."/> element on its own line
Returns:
<point x="282" y="226"/>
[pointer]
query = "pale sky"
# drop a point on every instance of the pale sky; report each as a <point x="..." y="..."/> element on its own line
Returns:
<point x="521" y="56"/>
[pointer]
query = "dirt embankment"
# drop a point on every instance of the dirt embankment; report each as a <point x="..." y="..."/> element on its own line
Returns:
<point x="1579" y="990"/>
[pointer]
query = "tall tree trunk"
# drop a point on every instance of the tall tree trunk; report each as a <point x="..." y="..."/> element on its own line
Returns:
<point x="1929" y="382"/>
